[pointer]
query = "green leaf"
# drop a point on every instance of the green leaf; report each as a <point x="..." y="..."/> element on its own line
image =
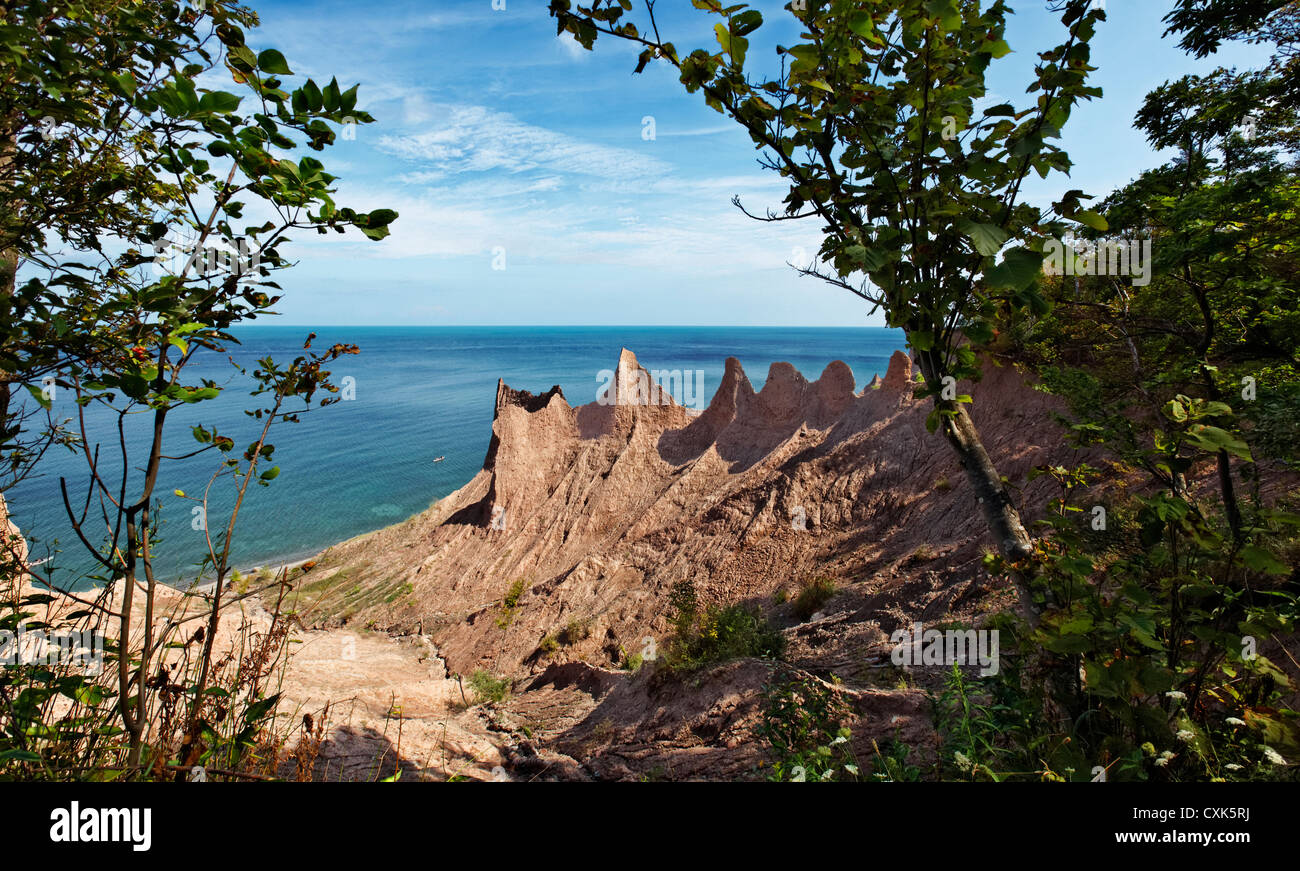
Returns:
<point x="746" y="22"/>
<point x="38" y="395"/>
<point x="862" y="25"/>
<point x="988" y="238"/>
<point x="1091" y="219"/>
<point x="998" y="48"/>
<point x="219" y="102"/>
<point x="19" y="756"/>
<point x="271" y="61"/>
<point x="241" y="57"/>
<point x="1019" y="269"/>
<point x="1257" y="559"/>
<point x="1214" y="439"/>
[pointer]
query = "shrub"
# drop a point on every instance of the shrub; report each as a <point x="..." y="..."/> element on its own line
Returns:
<point x="803" y="723"/>
<point x="923" y="554"/>
<point x="61" y="719"/>
<point x="1145" y="667"/>
<point x="815" y="593"/>
<point x="510" y="603"/>
<point x="488" y="687"/>
<point x="575" y="631"/>
<point x="713" y="634"/>
<point x="889" y="765"/>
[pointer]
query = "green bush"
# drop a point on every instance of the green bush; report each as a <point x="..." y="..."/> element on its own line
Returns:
<point x="510" y="603"/>
<point x="488" y="687"/>
<point x="803" y="723"/>
<point x="576" y="630"/>
<point x="815" y="593"/>
<point x="1147" y="667"/>
<point x="702" y="636"/>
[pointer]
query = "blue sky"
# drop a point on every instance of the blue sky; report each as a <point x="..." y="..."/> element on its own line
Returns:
<point x="497" y="139"/>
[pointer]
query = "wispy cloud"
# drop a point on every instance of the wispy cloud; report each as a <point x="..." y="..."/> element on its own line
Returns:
<point x="479" y="139"/>
<point x="698" y="131"/>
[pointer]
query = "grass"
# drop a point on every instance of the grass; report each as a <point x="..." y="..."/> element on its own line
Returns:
<point x="719" y="634"/>
<point x="341" y="592"/>
<point x="488" y="687"/>
<point x="632" y="661"/>
<point x="510" y="604"/>
<point x="923" y="554"/>
<point x="403" y="590"/>
<point x="816" y="592"/>
<point x="575" y="631"/>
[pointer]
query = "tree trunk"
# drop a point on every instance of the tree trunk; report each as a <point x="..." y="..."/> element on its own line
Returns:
<point x="1014" y="542"/>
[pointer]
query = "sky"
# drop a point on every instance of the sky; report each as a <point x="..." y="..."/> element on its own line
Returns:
<point x="539" y="183"/>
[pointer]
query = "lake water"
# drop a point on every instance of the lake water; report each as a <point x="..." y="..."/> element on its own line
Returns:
<point x="362" y="464"/>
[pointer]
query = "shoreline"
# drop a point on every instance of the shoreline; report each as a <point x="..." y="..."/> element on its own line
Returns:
<point x="274" y="568"/>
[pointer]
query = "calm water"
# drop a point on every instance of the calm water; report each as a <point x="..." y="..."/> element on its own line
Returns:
<point x="421" y="392"/>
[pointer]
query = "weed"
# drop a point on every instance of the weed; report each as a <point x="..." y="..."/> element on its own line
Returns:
<point x="510" y="603"/>
<point x="488" y="687"/>
<point x="815" y="593"/>
<point x="803" y="723"/>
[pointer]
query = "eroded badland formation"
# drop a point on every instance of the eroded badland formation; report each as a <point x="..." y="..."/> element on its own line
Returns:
<point x="554" y="566"/>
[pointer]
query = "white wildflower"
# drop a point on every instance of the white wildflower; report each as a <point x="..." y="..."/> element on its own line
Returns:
<point x="1186" y="736"/>
<point x="1273" y="756"/>
<point x="1234" y="721"/>
<point x="1177" y="696"/>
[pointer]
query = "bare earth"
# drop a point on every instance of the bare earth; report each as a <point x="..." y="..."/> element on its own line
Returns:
<point x="592" y="514"/>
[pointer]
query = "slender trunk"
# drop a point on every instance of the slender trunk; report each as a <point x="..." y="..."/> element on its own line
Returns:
<point x="1227" y="490"/>
<point x="137" y="549"/>
<point x="8" y="266"/>
<point x="1000" y="514"/>
<point x="1059" y="675"/>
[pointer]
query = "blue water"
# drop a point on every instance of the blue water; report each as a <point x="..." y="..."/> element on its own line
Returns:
<point x="359" y="465"/>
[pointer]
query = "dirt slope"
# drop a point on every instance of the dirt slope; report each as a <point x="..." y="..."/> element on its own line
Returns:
<point x="555" y="562"/>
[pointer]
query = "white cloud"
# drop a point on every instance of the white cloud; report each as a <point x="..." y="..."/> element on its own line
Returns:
<point x="572" y="48"/>
<point x="697" y="131"/>
<point x="478" y="139"/>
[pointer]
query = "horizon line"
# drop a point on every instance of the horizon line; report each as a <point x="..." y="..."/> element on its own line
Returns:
<point x="602" y="326"/>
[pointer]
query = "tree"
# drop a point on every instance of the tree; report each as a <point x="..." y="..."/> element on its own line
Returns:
<point x="1222" y="309"/>
<point x="115" y="160"/>
<point x="872" y="120"/>
<point x="107" y="143"/>
<point x="1189" y="383"/>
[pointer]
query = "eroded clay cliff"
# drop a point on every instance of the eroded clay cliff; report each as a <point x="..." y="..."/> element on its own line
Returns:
<point x="556" y="561"/>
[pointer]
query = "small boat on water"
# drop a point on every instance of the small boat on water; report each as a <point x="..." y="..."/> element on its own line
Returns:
<point x="439" y="459"/>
